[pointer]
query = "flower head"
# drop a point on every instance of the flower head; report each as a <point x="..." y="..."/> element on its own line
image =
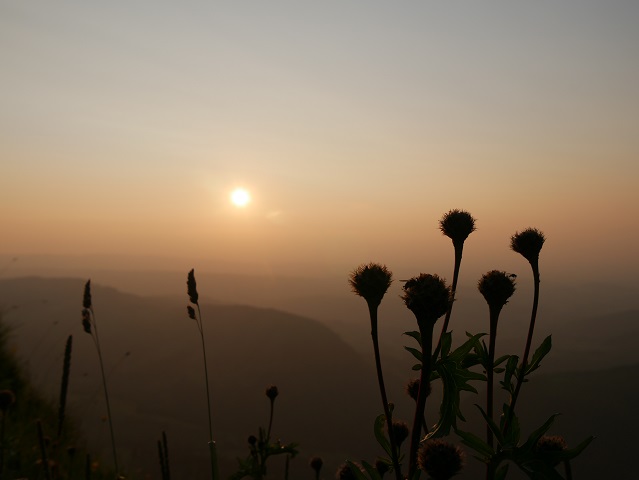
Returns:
<point x="551" y="444"/>
<point x="316" y="463"/>
<point x="457" y="225"/>
<point x="412" y="388"/>
<point x="191" y="287"/>
<point x="439" y="459"/>
<point x="528" y="243"/>
<point x="497" y="287"/>
<point x="427" y="296"/>
<point x="371" y="281"/>
<point x="190" y="311"/>
<point x="86" y="300"/>
<point x="272" y="392"/>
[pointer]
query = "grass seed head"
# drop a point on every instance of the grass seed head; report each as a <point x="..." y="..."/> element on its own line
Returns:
<point x="191" y="312"/>
<point x="86" y="300"/>
<point x="86" y="320"/>
<point x="191" y="287"/>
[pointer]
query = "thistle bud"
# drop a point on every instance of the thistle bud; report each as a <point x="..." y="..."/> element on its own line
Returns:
<point x="86" y="320"/>
<point x="86" y="300"/>
<point x="191" y="312"/>
<point x="528" y="244"/>
<point x="427" y="296"/>
<point x="316" y="463"/>
<point x="191" y="287"/>
<point x="457" y="225"/>
<point x="439" y="459"/>
<point x="371" y="281"/>
<point x="272" y="392"/>
<point x="497" y="287"/>
<point x="252" y="440"/>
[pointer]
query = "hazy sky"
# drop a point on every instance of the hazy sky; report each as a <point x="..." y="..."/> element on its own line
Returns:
<point x="124" y="126"/>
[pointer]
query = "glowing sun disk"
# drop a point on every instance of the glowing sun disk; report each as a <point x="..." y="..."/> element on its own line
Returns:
<point x="240" y="197"/>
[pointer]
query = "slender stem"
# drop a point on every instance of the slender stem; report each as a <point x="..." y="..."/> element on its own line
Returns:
<point x="270" y="421"/>
<point x="96" y="340"/>
<point x="459" y="248"/>
<point x="426" y="332"/>
<point x="4" y="416"/>
<point x="214" y="467"/>
<point x="524" y="362"/>
<point x="372" y="309"/>
<point x="494" y="317"/>
<point x="43" y="451"/>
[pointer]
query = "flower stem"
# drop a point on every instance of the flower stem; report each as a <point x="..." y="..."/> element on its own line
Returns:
<point x="426" y="332"/>
<point x="372" y="309"/>
<point x="524" y="362"/>
<point x="96" y="341"/>
<point x="494" y="317"/>
<point x="213" y="453"/>
<point x="459" y="248"/>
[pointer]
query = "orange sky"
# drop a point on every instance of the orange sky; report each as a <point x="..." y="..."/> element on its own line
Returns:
<point x="123" y="129"/>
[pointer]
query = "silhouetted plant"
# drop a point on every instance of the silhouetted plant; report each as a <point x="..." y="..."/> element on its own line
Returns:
<point x="261" y="448"/>
<point x="428" y="297"/>
<point x="163" y="453"/>
<point x="316" y="464"/>
<point x="194" y="299"/>
<point x="90" y="326"/>
<point x="64" y="384"/>
<point x="371" y="281"/>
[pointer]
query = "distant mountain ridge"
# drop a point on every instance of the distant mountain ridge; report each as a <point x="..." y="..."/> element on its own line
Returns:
<point x="328" y="392"/>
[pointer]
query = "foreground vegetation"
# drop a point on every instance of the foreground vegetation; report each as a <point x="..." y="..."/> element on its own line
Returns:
<point x="427" y="447"/>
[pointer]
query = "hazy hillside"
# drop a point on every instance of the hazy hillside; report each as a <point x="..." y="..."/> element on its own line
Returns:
<point x="328" y="390"/>
<point x="328" y="395"/>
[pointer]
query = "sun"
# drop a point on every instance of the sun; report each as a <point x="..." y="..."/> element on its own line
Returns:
<point x="240" y="197"/>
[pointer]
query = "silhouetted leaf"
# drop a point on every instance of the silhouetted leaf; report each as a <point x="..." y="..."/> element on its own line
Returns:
<point x="477" y="444"/>
<point x="356" y="470"/>
<point x="446" y="342"/>
<point x="539" y="354"/>
<point x="372" y="471"/>
<point x="378" y="428"/>
<point x="416" y="353"/>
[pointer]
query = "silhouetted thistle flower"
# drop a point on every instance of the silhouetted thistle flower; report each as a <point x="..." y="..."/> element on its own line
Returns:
<point x="440" y="460"/>
<point x="412" y="388"/>
<point x="497" y="287"/>
<point x="401" y="431"/>
<point x="7" y="398"/>
<point x="191" y="287"/>
<point x="252" y="440"/>
<point x="272" y="392"/>
<point x="427" y="296"/>
<point x="457" y="225"/>
<point x="551" y="444"/>
<point x="190" y="311"/>
<point x="86" y="320"/>
<point x="86" y="300"/>
<point x="316" y="464"/>
<point x="528" y="244"/>
<point x="371" y="281"/>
